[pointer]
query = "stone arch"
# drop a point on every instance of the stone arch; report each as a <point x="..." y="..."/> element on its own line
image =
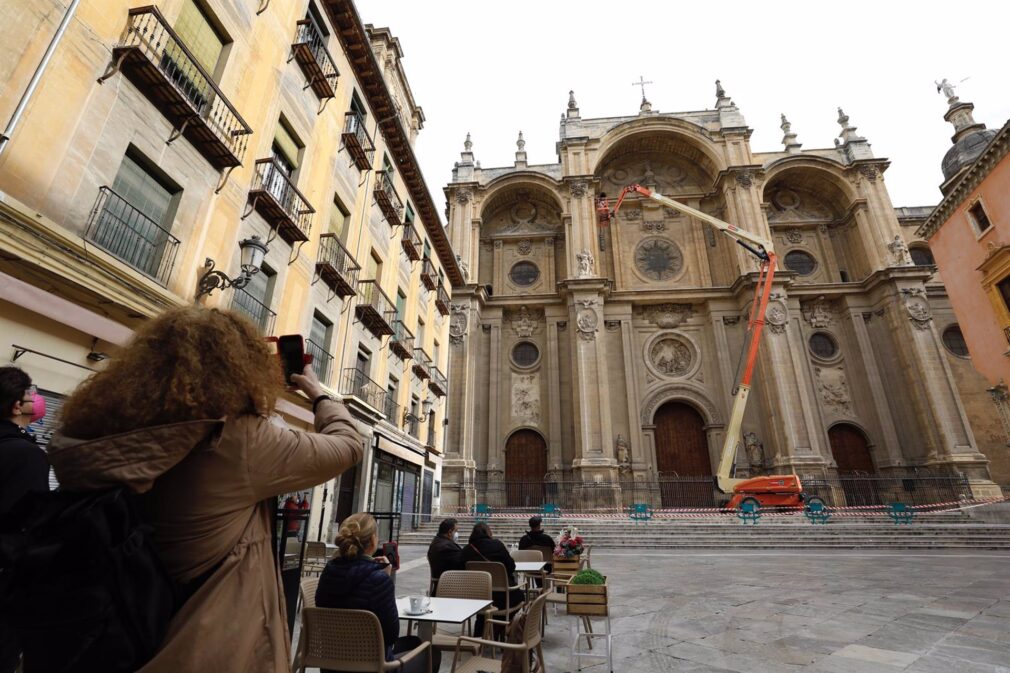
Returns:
<point x="678" y="135"/>
<point x="525" y="467"/>
<point x="681" y="391"/>
<point x="822" y="179"/>
<point x="856" y="430"/>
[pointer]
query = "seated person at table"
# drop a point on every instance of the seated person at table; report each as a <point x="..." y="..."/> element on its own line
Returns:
<point x="535" y="536"/>
<point x="354" y="580"/>
<point x="443" y="552"/>
<point x="483" y="547"/>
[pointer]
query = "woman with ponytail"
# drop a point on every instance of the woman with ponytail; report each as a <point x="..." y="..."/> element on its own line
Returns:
<point x="354" y="580"/>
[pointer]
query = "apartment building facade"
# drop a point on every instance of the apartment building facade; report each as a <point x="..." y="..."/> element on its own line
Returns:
<point x="165" y="151"/>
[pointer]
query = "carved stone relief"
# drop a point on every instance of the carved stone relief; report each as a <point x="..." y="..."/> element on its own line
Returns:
<point x="794" y="235"/>
<point x="667" y="315"/>
<point x="777" y="314"/>
<point x="527" y="214"/>
<point x="755" y="453"/>
<point x="658" y="258"/>
<point x="629" y="213"/>
<point x="745" y="179"/>
<point x="587" y="323"/>
<point x="915" y="302"/>
<point x="524" y="323"/>
<point x="524" y="247"/>
<point x="833" y="389"/>
<point x="526" y="399"/>
<point x="654" y="226"/>
<point x="899" y="252"/>
<point x="671" y="356"/>
<point x="789" y="205"/>
<point x="662" y="171"/>
<point x="586" y="264"/>
<point x="578" y="188"/>
<point x="458" y="323"/>
<point x="463" y="195"/>
<point x="818" y="313"/>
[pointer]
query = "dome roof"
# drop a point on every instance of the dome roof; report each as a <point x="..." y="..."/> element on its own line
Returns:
<point x="965" y="151"/>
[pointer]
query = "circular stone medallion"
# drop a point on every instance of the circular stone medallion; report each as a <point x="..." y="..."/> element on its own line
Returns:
<point x="671" y="356"/>
<point x="658" y="258"/>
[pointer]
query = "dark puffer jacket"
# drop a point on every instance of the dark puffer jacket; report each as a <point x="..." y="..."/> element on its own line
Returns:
<point x="361" y="584"/>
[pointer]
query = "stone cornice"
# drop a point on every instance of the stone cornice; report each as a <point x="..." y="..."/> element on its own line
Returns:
<point x="358" y="47"/>
<point x="980" y="169"/>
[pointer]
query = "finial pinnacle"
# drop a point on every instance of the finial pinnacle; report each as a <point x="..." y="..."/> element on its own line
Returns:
<point x="467" y="144"/>
<point x="719" y="91"/>
<point x="571" y="100"/>
<point x="520" y="143"/>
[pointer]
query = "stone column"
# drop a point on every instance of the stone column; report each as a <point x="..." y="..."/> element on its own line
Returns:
<point x="459" y="464"/>
<point x="639" y="456"/>
<point x="553" y="395"/>
<point x="889" y="433"/>
<point x="496" y="401"/>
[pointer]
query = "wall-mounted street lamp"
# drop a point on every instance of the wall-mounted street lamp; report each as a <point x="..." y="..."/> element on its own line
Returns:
<point x="426" y="406"/>
<point x="252" y="251"/>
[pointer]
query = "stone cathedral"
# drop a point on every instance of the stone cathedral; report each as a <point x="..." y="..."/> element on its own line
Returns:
<point x="592" y="352"/>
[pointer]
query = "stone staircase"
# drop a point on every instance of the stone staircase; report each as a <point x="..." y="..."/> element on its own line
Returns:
<point x="953" y="530"/>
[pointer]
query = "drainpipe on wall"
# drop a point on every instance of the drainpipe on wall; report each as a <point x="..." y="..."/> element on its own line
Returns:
<point x="37" y="77"/>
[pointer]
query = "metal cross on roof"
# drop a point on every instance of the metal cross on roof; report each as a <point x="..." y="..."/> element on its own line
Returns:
<point x="641" y="82"/>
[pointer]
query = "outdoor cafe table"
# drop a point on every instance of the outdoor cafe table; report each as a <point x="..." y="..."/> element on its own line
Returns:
<point x="529" y="566"/>
<point x="447" y="610"/>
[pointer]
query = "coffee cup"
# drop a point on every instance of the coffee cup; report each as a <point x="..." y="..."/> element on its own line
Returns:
<point x="417" y="604"/>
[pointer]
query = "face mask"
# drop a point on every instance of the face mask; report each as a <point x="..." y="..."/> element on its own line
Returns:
<point x="38" y="407"/>
<point x="455" y="537"/>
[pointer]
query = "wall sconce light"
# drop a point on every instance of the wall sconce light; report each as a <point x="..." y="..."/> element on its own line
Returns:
<point x="426" y="406"/>
<point x="252" y="251"/>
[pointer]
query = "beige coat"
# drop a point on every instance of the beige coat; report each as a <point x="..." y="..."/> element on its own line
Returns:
<point x="209" y="484"/>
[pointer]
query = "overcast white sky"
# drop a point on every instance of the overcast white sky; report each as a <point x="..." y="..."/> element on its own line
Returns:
<point x="495" y="68"/>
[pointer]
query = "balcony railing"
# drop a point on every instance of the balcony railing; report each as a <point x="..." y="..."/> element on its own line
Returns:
<point x="122" y="230"/>
<point x="411" y="242"/>
<point x="281" y="204"/>
<point x="354" y="382"/>
<point x="385" y="195"/>
<point x="402" y="341"/>
<point x="422" y="364"/>
<point x="258" y="312"/>
<point x="430" y="444"/>
<point x="336" y="266"/>
<point x="438" y="383"/>
<point x="442" y="300"/>
<point x="357" y="141"/>
<point x="314" y="59"/>
<point x="322" y="360"/>
<point x="155" y="59"/>
<point x="412" y="426"/>
<point x="391" y="409"/>
<point x="428" y="275"/>
<point x="375" y="310"/>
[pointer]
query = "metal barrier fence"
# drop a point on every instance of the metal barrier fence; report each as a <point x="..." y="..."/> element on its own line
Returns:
<point x="692" y="492"/>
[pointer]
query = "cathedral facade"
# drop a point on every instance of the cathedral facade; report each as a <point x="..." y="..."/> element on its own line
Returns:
<point x="591" y="351"/>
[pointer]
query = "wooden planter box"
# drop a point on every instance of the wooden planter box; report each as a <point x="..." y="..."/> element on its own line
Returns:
<point x="587" y="599"/>
<point x="565" y="566"/>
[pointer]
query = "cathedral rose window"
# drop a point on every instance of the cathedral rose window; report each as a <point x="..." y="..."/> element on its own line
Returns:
<point x="525" y="354"/>
<point x="823" y="346"/>
<point x="801" y="262"/>
<point x="658" y="259"/>
<point x="524" y="274"/>
<point x="953" y="340"/>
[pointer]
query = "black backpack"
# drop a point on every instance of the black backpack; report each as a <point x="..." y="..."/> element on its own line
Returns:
<point x="82" y="584"/>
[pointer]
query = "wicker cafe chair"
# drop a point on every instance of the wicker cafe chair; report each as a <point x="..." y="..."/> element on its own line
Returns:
<point x="530" y="555"/>
<point x="527" y="555"/>
<point x="349" y="640"/>
<point x="307" y="597"/>
<point x="532" y="639"/>
<point x="315" y="558"/>
<point x="471" y="584"/>
<point x="499" y="582"/>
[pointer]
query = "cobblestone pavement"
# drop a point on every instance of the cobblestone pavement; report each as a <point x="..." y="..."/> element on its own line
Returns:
<point x="816" y="611"/>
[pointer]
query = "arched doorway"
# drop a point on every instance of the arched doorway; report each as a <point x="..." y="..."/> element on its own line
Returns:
<point x="851" y="452"/>
<point x="682" y="457"/>
<point x="525" y="467"/>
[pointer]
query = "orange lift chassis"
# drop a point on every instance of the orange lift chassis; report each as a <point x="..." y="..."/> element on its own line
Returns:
<point x="770" y="491"/>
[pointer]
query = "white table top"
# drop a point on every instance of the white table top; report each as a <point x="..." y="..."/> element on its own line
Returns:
<point x="529" y="566"/>
<point x="449" y="610"/>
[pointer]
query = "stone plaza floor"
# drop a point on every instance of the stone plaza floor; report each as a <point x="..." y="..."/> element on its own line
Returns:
<point x="758" y="612"/>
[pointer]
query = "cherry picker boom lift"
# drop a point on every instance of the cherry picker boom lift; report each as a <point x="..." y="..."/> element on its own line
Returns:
<point x="769" y="491"/>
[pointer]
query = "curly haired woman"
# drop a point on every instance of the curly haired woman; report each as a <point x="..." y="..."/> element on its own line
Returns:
<point x="353" y="580"/>
<point x="181" y="415"/>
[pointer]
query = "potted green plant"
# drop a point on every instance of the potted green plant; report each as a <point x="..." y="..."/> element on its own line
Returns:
<point x="586" y="594"/>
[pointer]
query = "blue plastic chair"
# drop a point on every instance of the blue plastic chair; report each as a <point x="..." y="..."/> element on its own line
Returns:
<point x="482" y="512"/>
<point x="816" y="512"/>
<point x="640" y="512"/>
<point x="750" y="511"/>
<point x="550" y="511"/>
<point x="901" y="513"/>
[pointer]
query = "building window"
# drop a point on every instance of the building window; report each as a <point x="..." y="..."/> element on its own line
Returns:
<point x="823" y="346"/>
<point x="524" y="273"/>
<point x="954" y="342"/>
<point x="287" y="148"/>
<point x="318" y="346"/>
<point x="408" y="216"/>
<point x="401" y="304"/>
<point x="200" y="34"/>
<point x="254" y="299"/>
<point x="801" y="262"/>
<point x="339" y="218"/>
<point x="525" y="354"/>
<point x="922" y="256"/>
<point x="979" y="217"/>
<point x="357" y="107"/>
<point x="1004" y="290"/>
<point x="392" y="393"/>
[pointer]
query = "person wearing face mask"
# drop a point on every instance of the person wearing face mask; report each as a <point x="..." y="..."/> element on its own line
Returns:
<point x="23" y="468"/>
<point x="444" y="552"/>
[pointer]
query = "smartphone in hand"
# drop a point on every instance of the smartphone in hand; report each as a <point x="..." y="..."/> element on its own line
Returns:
<point x="291" y="349"/>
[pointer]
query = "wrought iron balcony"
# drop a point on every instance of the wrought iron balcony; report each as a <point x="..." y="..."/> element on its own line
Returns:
<point x="385" y="195"/>
<point x="442" y="300"/>
<point x="357" y="141"/>
<point x="322" y="360"/>
<point x="336" y="266"/>
<point x="438" y="383"/>
<point x="411" y="242"/>
<point x="122" y="230"/>
<point x="375" y="310"/>
<point x="422" y="364"/>
<point x="155" y="59"/>
<point x="283" y="207"/>
<point x="354" y="382"/>
<point x="402" y="341"/>
<point x="258" y="312"/>
<point x="309" y="50"/>
<point x="428" y="276"/>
